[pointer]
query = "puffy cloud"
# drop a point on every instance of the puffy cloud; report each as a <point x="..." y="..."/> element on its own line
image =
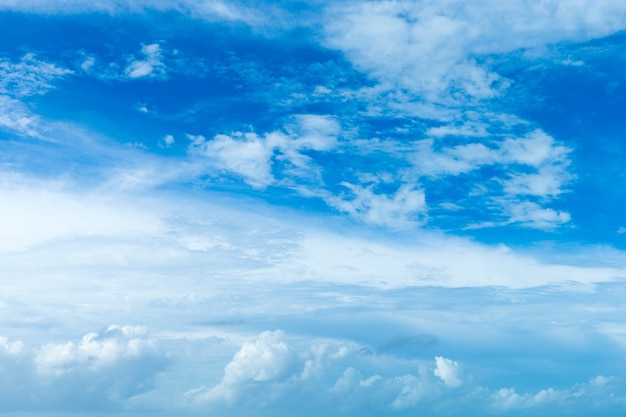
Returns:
<point x="96" y="351"/>
<point x="151" y="66"/>
<point x="430" y="48"/>
<point x="11" y="348"/>
<point x="245" y="155"/>
<point x="261" y="361"/>
<point x="405" y="208"/>
<point x="167" y="141"/>
<point x="448" y="371"/>
<point x="101" y="370"/>
<point x="273" y="370"/>
<point x="596" y="394"/>
<point x="535" y="149"/>
<point x="253" y="157"/>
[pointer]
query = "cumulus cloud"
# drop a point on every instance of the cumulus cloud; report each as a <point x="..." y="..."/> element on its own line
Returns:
<point x="245" y="155"/>
<point x="507" y="399"/>
<point x="253" y="157"/>
<point x="151" y="66"/>
<point x="96" y="351"/>
<point x="271" y="370"/>
<point x="448" y="371"/>
<point x="405" y="208"/>
<point x="428" y="60"/>
<point x="11" y="348"/>
<point x="431" y="48"/>
<point x="261" y="361"/>
<point x="102" y="369"/>
<point x="167" y="141"/>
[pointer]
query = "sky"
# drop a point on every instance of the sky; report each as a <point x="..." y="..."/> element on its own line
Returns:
<point x="286" y="208"/>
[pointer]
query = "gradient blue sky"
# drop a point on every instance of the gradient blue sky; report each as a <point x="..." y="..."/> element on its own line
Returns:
<point x="336" y="208"/>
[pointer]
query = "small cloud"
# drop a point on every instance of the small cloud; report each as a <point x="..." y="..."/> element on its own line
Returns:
<point x="321" y="90"/>
<point x="246" y="155"/>
<point x="448" y="371"/>
<point x="167" y="141"/>
<point x="151" y="66"/>
<point x="573" y="63"/>
<point x="11" y="348"/>
<point x="88" y="64"/>
<point x="532" y="215"/>
<point x="402" y="209"/>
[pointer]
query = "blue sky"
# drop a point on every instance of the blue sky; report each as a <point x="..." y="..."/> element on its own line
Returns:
<point x="301" y="208"/>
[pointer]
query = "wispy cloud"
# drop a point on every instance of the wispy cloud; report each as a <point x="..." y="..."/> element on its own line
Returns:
<point x="216" y="10"/>
<point x="29" y="76"/>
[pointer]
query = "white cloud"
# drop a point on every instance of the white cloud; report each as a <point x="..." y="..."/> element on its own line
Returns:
<point x="257" y="362"/>
<point x="42" y="212"/>
<point x="403" y="209"/>
<point x="532" y="165"/>
<point x="507" y="399"/>
<point x="270" y="371"/>
<point x="167" y="141"/>
<point x="411" y="392"/>
<point x="151" y="66"/>
<point x="450" y="161"/>
<point x="253" y="157"/>
<point x="535" y="149"/>
<point x="214" y="10"/>
<point x="428" y="47"/>
<point x="426" y="57"/>
<point x="547" y="182"/>
<point x="315" y="132"/>
<point x="103" y="369"/>
<point x="88" y="64"/>
<point x="448" y="371"/>
<point x="11" y="348"/>
<point x="30" y="76"/>
<point x="466" y="129"/>
<point x="245" y="155"/>
<point x="95" y="351"/>
<point x="14" y="115"/>
<point x="529" y="214"/>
